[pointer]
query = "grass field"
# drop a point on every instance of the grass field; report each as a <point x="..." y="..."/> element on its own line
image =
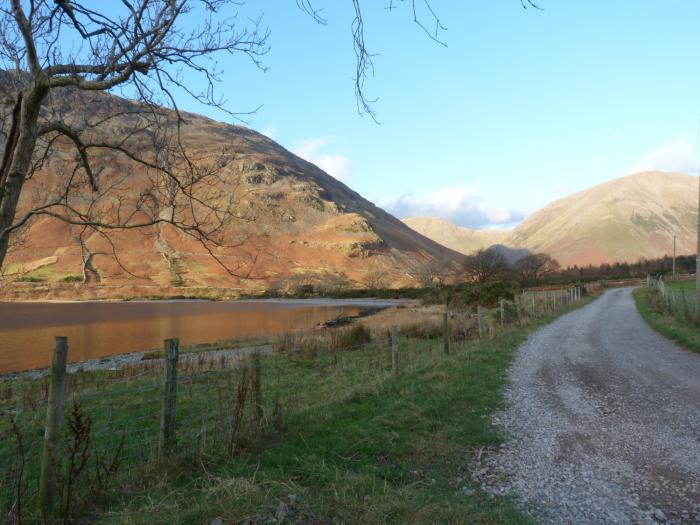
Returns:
<point x="688" y="286"/>
<point x="357" y="444"/>
<point x="671" y="323"/>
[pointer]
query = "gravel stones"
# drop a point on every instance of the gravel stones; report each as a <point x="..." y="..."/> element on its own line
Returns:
<point x="603" y="422"/>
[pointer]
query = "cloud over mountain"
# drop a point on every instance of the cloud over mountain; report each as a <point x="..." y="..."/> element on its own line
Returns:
<point x="460" y="204"/>
<point x="677" y="155"/>
<point x="317" y="151"/>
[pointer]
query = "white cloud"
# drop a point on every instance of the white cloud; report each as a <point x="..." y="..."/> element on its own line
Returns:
<point x="462" y="205"/>
<point x="315" y="150"/>
<point x="676" y="155"/>
<point x="270" y="131"/>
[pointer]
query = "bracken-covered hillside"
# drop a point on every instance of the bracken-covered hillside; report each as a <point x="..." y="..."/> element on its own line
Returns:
<point x="294" y="224"/>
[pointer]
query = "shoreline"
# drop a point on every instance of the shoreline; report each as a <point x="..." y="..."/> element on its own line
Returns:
<point x="320" y="301"/>
<point x="191" y="352"/>
<point x="121" y="361"/>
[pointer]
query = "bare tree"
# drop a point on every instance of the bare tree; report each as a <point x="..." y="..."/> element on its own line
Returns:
<point x="59" y="59"/>
<point x="375" y="280"/>
<point x="445" y="272"/>
<point x="424" y="15"/>
<point x="536" y="266"/>
<point x="422" y="271"/>
<point x="61" y="62"/>
<point x="485" y="266"/>
<point x="431" y="272"/>
<point x="697" y="269"/>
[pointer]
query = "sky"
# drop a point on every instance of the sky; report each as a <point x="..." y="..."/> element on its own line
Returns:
<point x="521" y="107"/>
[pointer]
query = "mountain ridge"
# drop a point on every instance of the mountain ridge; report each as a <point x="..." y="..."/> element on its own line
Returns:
<point x="621" y="220"/>
<point x="298" y="224"/>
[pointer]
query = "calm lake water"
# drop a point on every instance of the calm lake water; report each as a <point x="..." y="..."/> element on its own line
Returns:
<point x="101" y="329"/>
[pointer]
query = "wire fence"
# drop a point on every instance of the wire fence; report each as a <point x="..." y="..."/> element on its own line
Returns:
<point x="676" y="299"/>
<point x="115" y="426"/>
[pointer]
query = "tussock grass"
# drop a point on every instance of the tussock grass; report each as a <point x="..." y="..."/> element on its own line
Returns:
<point x="425" y="322"/>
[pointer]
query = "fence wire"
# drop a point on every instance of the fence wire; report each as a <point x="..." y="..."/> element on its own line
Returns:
<point x="675" y="299"/>
<point x="112" y="429"/>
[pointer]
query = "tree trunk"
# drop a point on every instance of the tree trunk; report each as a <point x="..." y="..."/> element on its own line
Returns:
<point x="21" y="162"/>
<point x="697" y="264"/>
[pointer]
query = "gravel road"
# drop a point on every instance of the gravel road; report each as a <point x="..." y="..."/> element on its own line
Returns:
<point x="603" y="416"/>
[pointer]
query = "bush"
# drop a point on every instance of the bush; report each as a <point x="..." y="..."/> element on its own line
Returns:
<point x="72" y="279"/>
<point x="30" y="279"/>
<point x="304" y="290"/>
<point x="470" y="295"/>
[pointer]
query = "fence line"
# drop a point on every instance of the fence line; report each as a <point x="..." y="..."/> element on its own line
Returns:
<point x="675" y="300"/>
<point x="125" y="419"/>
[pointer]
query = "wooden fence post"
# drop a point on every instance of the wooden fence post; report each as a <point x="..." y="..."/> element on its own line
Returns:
<point x="686" y="310"/>
<point x="480" y="322"/>
<point x="257" y="388"/>
<point x="517" y="308"/>
<point x="446" y="333"/>
<point x="395" y="351"/>
<point x="52" y="432"/>
<point x="674" y="298"/>
<point x="167" y="421"/>
<point x="503" y="313"/>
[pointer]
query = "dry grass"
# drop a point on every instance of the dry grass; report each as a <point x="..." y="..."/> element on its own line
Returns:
<point x="425" y="322"/>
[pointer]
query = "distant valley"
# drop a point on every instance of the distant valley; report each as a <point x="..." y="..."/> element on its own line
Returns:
<point x="621" y="220"/>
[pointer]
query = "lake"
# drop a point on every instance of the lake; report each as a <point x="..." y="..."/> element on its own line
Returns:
<point x="99" y="329"/>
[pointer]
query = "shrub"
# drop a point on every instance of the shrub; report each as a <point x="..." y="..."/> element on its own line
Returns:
<point x="30" y="279"/>
<point x="470" y="295"/>
<point x="72" y="279"/>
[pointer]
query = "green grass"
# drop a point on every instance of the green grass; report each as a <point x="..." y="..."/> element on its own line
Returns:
<point x="72" y="279"/>
<point x="687" y="286"/>
<point x="359" y="445"/>
<point x="395" y="452"/>
<point x="39" y="275"/>
<point x="674" y="325"/>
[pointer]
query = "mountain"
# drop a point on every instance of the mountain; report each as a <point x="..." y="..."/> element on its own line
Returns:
<point x="463" y="240"/>
<point x="512" y="255"/>
<point x="620" y="220"/>
<point x="296" y="224"/>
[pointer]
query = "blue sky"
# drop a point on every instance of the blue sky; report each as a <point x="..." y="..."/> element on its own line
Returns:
<point x="521" y="108"/>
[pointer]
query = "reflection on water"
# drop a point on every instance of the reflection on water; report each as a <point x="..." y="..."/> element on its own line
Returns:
<point x="100" y="329"/>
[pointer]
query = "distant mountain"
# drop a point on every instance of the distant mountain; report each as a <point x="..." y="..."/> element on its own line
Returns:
<point x="298" y="224"/>
<point x="512" y="255"/>
<point x="620" y="220"/>
<point x="463" y="240"/>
